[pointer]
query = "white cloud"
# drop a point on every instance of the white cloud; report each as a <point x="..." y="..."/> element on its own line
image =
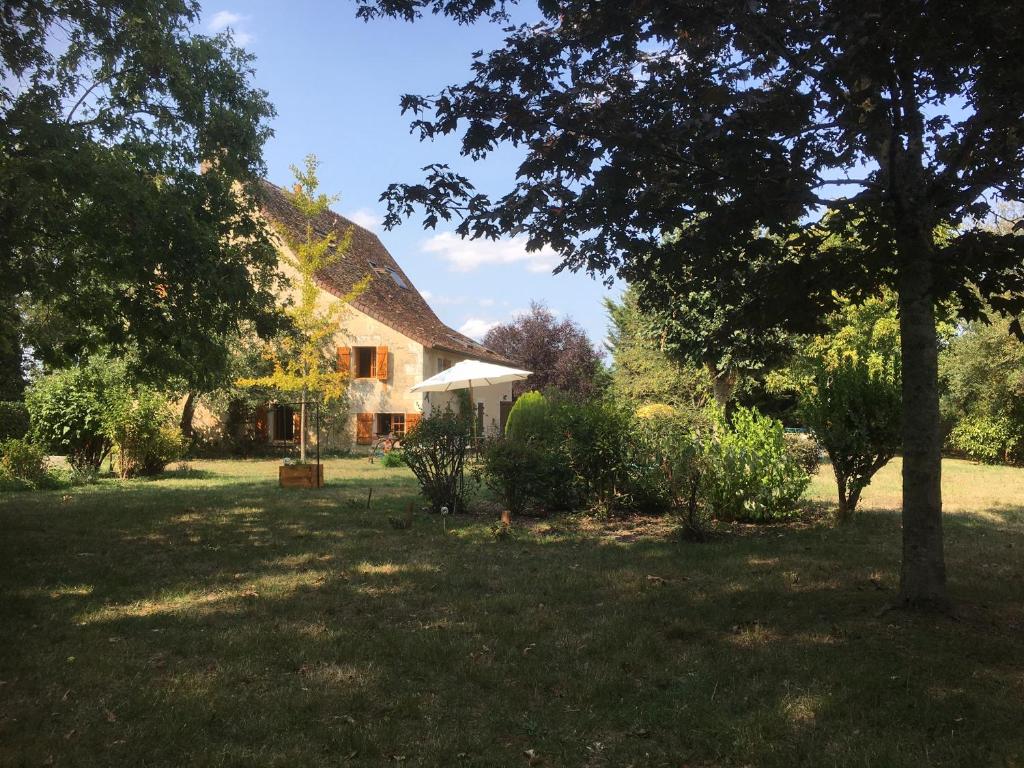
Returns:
<point x="365" y="218"/>
<point x="486" y="302"/>
<point x="467" y="255"/>
<point x="476" y="328"/>
<point x="222" y="20"/>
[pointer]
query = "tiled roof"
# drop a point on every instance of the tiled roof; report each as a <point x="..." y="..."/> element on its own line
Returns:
<point x="403" y="309"/>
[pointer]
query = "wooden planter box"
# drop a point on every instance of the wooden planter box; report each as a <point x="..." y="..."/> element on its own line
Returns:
<point x="301" y="476"/>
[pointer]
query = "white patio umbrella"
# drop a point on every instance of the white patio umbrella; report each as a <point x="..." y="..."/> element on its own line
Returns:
<point x="469" y="374"/>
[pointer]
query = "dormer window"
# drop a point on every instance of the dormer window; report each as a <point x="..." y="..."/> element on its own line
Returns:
<point x="398" y="279"/>
<point x="391" y="272"/>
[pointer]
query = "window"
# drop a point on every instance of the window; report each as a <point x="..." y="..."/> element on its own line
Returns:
<point x="284" y="423"/>
<point x="391" y="424"/>
<point x="391" y="271"/>
<point x="366" y="362"/>
<point x="443" y="364"/>
<point x="397" y="278"/>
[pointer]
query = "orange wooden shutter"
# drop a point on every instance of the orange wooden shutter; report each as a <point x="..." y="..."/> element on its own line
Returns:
<point x="261" y="422"/>
<point x="344" y="359"/>
<point x="382" y="363"/>
<point x="296" y="426"/>
<point x="364" y="428"/>
<point x="411" y="420"/>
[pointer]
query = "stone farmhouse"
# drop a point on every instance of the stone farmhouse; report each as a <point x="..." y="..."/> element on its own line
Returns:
<point x="389" y="339"/>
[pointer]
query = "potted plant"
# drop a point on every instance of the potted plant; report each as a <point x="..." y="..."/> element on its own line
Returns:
<point x="299" y="474"/>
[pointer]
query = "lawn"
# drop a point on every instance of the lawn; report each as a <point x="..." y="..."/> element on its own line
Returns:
<point x="209" y="618"/>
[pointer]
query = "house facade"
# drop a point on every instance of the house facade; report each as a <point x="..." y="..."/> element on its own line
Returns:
<point x="388" y="340"/>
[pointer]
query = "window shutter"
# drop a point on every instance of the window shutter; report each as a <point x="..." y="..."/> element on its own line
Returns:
<point x="382" y="363"/>
<point x="411" y="420"/>
<point x="344" y="360"/>
<point x="364" y="428"/>
<point x="296" y="426"/>
<point x="261" y="423"/>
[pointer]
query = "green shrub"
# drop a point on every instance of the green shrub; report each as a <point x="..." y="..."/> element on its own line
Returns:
<point x="675" y="444"/>
<point x="751" y="475"/>
<point x="68" y="410"/>
<point x="23" y="460"/>
<point x="14" y="421"/>
<point x="393" y="458"/>
<point x="435" y="451"/>
<point x="985" y="438"/>
<point x="855" y="411"/>
<point x="143" y="430"/>
<point x="518" y="471"/>
<point x="804" y="449"/>
<point x="530" y="418"/>
<point x="609" y="459"/>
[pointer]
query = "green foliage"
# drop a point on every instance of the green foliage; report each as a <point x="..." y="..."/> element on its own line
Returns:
<point x="142" y="428"/>
<point x="642" y="372"/>
<point x="751" y="475"/>
<point x="14" y="420"/>
<point x="702" y="328"/>
<point x="435" y="450"/>
<point x="530" y="418"/>
<point x="855" y="411"/>
<point x="87" y="410"/>
<point x="805" y="450"/>
<point x="304" y="359"/>
<point x="797" y="151"/>
<point x="677" y="444"/>
<point x="867" y="332"/>
<point x="68" y="410"/>
<point x="986" y="438"/>
<point x="393" y="458"/>
<point x="982" y="371"/>
<point x="110" y="227"/>
<point x="23" y="460"/>
<point x="517" y="470"/>
<point x="602" y="455"/>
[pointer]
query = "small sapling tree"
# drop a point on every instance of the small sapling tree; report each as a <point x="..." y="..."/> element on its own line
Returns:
<point x="301" y="358"/>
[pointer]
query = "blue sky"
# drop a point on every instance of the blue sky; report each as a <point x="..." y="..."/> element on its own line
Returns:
<point x="336" y="83"/>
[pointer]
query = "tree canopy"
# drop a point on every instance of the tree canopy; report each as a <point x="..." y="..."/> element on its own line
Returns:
<point x="642" y="373"/>
<point x="799" y="150"/>
<point x="557" y="351"/>
<point x="107" y="111"/>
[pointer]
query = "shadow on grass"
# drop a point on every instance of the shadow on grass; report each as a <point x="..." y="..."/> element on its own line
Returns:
<point x="245" y="624"/>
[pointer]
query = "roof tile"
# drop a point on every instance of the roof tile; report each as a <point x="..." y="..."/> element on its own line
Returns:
<point x="403" y="309"/>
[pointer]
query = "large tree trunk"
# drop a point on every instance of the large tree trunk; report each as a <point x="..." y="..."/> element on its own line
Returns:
<point x="923" y="577"/>
<point x="188" y="411"/>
